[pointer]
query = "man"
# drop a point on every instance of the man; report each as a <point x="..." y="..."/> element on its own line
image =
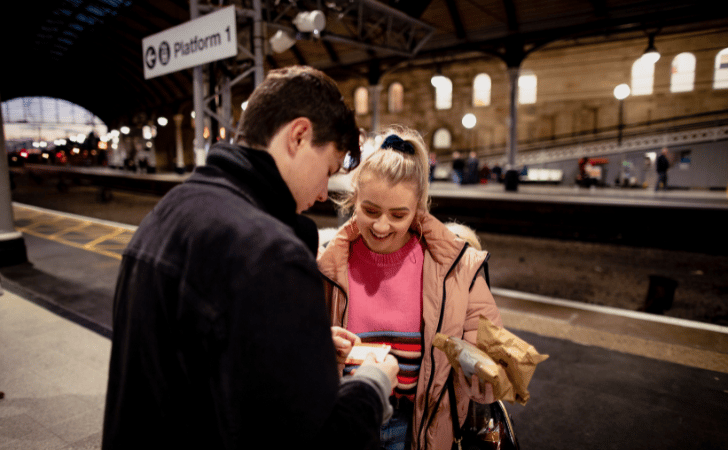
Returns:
<point x="458" y="168"/>
<point x="472" y="173"/>
<point x="221" y="337"/>
<point x="662" y="165"/>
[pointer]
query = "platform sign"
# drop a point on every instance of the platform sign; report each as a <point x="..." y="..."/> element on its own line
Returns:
<point x="208" y="38"/>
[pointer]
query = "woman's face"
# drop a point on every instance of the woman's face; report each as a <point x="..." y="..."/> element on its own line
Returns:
<point x="384" y="213"/>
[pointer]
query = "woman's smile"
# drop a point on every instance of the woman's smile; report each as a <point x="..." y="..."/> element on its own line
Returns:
<point x="379" y="236"/>
<point x="384" y="214"/>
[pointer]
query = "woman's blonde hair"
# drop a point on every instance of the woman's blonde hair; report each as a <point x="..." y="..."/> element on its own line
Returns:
<point x="395" y="166"/>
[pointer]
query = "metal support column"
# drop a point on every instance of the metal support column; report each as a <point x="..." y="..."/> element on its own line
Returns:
<point x="179" y="146"/>
<point x="374" y="76"/>
<point x="12" y="244"/>
<point x="375" y="100"/>
<point x="226" y="104"/>
<point x="258" y="51"/>
<point x="511" y="177"/>
<point x="197" y="99"/>
<point x="620" y="127"/>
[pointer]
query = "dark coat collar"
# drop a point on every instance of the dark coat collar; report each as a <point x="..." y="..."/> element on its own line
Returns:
<point x="253" y="175"/>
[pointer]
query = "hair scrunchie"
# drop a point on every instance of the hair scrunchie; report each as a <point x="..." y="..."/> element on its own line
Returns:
<point x="397" y="143"/>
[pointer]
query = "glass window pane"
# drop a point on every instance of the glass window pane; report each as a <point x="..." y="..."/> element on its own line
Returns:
<point x="720" y="80"/>
<point x="443" y="92"/>
<point x="441" y="138"/>
<point x="682" y="75"/>
<point x="396" y="97"/>
<point x="361" y="100"/>
<point x="481" y="90"/>
<point x="527" y="88"/>
<point x="643" y="77"/>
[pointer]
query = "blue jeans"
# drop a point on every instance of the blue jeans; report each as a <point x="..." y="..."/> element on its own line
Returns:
<point x="395" y="434"/>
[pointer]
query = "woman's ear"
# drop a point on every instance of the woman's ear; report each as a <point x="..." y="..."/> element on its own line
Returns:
<point x="417" y="220"/>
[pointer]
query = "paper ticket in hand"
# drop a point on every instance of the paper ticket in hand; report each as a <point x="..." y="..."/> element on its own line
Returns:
<point x="360" y="351"/>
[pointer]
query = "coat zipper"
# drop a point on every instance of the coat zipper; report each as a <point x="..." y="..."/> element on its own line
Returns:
<point x="343" y="292"/>
<point x="423" y="430"/>
<point x="484" y="268"/>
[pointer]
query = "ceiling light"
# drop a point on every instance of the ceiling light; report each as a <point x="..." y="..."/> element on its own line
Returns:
<point x="310" y="21"/>
<point x="622" y="91"/>
<point x="281" y="41"/>
<point x="469" y="121"/>
<point x="438" y="80"/>
<point x="651" y="55"/>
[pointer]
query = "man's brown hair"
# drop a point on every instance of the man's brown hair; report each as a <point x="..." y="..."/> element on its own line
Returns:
<point x="301" y="91"/>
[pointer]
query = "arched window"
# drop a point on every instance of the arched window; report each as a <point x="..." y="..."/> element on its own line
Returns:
<point x="643" y="77"/>
<point x="395" y="97"/>
<point x="481" y="90"/>
<point x="682" y="76"/>
<point x="720" y="79"/>
<point x="443" y="92"/>
<point x="441" y="138"/>
<point x="527" y="88"/>
<point x="361" y="100"/>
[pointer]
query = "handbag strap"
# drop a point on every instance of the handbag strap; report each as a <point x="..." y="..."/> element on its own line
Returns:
<point x="456" y="432"/>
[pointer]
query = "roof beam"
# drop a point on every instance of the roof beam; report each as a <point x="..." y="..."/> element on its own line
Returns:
<point x="457" y="22"/>
<point x="511" y="15"/>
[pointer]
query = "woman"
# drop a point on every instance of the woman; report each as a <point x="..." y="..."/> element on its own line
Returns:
<point x="395" y="274"/>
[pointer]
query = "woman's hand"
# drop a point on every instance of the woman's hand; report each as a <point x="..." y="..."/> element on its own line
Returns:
<point x="344" y="340"/>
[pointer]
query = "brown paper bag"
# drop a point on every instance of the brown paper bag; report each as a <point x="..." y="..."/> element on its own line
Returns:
<point x="461" y="353"/>
<point x="518" y="357"/>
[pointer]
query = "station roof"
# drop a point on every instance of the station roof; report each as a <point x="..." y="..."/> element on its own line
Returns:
<point x="89" y="52"/>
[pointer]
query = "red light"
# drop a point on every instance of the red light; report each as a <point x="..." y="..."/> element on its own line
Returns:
<point x="24" y="153"/>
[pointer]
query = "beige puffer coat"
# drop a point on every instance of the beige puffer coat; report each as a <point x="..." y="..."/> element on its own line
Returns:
<point x="454" y="296"/>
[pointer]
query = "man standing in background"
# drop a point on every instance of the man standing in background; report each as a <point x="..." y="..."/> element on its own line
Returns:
<point x="662" y="165"/>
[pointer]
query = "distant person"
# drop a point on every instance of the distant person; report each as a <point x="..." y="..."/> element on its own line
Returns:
<point x="497" y="173"/>
<point x="472" y="173"/>
<point x="433" y="166"/>
<point x="221" y="336"/>
<point x="395" y="274"/>
<point x="662" y="165"/>
<point x="582" y="179"/>
<point x="484" y="174"/>
<point x="586" y="176"/>
<point x="458" y="168"/>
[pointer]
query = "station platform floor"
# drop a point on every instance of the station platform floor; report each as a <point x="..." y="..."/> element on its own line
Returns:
<point x="614" y="379"/>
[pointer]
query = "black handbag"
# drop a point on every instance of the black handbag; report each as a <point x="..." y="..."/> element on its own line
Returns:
<point x="487" y="426"/>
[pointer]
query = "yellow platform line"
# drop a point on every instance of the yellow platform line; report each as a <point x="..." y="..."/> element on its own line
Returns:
<point x="74" y="244"/>
<point x="38" y="223"/>
<point x="101" y="239"/>
<point x="79" y="226"/>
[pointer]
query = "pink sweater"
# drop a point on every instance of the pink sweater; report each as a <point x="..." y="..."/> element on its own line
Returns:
<point x="385" y="290"/>
<point x="385" y="305"/>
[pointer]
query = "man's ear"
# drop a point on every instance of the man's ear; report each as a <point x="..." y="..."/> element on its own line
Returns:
<point x="300" y="132"/>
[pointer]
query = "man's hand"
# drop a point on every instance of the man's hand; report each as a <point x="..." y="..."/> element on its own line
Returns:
<point x="389" y="366"/>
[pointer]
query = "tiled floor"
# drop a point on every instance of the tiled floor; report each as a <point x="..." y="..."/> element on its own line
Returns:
<point x="53" y="374"/>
